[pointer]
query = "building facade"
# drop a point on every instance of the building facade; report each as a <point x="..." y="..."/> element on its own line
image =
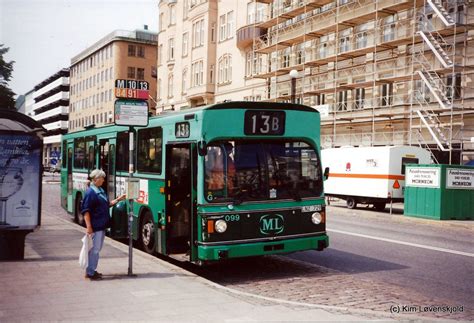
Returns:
<point x="381" y="72"/>
<point x="119" y="55"/>
<point x="50" y="108"/>
<point x="199" y="61"/>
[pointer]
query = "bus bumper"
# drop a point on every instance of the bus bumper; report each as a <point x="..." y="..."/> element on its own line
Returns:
<point x="210" y="253"/>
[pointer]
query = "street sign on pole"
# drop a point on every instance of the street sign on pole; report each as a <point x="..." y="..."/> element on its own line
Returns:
<point x="131" y="113"/>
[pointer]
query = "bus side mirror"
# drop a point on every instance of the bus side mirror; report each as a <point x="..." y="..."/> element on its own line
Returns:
<point x="326" y="173"/>
<point x="202" y="148"/>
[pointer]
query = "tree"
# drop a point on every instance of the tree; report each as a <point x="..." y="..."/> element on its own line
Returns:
<point x="7" y="100"/>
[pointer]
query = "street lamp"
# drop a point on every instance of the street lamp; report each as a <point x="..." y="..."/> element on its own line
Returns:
<point x="293" y="76"/>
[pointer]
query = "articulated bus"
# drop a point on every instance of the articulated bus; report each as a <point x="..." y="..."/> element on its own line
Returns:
<point x="222" y="181"/>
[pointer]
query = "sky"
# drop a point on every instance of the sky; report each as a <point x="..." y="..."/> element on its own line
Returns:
<point x="43" y="35"/>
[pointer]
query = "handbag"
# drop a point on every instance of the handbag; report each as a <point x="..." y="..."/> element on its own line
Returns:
<point x="84" y="254"/>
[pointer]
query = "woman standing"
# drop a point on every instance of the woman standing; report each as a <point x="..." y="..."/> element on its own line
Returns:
<point x="95" y="209"/>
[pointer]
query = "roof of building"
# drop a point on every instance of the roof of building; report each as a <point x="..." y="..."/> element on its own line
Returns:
<point x="142" y="36"/>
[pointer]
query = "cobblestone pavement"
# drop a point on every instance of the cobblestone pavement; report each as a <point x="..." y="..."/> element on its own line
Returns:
<point x="283" y="278"/>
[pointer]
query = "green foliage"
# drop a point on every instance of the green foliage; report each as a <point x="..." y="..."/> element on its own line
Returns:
<point x="7" y="100"/>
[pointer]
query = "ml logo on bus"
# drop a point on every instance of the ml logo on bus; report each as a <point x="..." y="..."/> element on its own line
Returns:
<point x="272" y="224"/>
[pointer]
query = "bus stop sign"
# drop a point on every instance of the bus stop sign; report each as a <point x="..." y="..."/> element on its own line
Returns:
<point x="131" y="113"/>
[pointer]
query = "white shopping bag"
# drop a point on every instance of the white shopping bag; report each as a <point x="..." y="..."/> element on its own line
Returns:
<point x="84" y="255"/>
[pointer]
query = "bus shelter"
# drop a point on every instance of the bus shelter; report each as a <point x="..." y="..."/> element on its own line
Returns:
<point x="21" y="145"/>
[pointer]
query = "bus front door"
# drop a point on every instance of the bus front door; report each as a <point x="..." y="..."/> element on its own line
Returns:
<point x="107" y="164"/>
<point x="181" y="172"/>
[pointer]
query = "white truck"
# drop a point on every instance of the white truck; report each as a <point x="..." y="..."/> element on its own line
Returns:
<point x="370" y="175"/>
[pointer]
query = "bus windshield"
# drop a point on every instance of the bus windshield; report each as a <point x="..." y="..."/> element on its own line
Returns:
<point x="247" y="170"/>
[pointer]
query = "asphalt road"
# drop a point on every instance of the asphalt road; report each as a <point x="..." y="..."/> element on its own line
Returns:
<point x="429" y="257"/>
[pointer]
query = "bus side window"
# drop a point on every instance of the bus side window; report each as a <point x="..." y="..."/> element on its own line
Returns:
<point x="150" y="150"/>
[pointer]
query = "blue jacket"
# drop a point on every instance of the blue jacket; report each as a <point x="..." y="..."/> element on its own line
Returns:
<point x="97" y="204"/>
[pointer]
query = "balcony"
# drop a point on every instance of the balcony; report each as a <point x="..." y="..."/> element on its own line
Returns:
<point x="62" y="81"/>
<point x="246" y="35"/>
<point x="51" y="113"/>
<point x="61" y="96"/>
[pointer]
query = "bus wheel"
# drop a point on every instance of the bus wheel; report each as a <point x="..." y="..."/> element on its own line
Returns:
<point x="147" y="233"/>
<point x="351" y="203"/>
<point x="78" y="217"/>
<point x="379" y="206"/>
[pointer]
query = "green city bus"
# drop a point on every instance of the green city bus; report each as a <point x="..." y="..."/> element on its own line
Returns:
<point x="227" y="180"/>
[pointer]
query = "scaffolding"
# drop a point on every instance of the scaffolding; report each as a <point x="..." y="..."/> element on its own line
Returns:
<point x="381" y="72"/>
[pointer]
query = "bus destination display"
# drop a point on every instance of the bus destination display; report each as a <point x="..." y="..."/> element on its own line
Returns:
<point x="132" y="89"/>
<point x="259" y="123"/>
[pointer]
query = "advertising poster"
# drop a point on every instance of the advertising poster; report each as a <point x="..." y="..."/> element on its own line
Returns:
<point x="20" y="180"/>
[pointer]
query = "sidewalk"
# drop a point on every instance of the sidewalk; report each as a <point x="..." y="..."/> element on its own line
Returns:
<point x="49" y="285"/>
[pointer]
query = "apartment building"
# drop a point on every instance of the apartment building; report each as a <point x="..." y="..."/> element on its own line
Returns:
<point x="119" y="55"/>
<point x="50" y="108"/>
<point x="200" y="60"/>
<point x="381" y="72"/>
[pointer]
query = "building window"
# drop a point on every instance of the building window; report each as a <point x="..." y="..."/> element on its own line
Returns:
<point x="132" y="50"/>
<point x="359" y="98"/>
<point x="185" y="44"/>
<point x="185" y="9"/>
<point x="131" y="72"/>
<point x="160" y="55"/>
<point x="170" y="86"/>
<point x="140" y="73"/>
<point x="172" y="15"/>
<point x="197" y="73"/>
<point x="248" y="62"/>
<point x="225" y="69"/>
<point x="141" y="51"/>
<point x="230" y="24"/>
<point x="198" y="33"/>
<point x="389" y="29"/>
<point x="285" y="58"/>
<point x="162" y="22"/>
<point x="171" y="49"/>
<point x="387" y="94"/>
<point x="344" y="44"/>
<point x="226" y="26"/>
<point x="211" y="74"/>
<point x="222" y="28"/>
<point x="342" y="101"/>
<point x="453" y="88"/>
<point x="213" y="32"/>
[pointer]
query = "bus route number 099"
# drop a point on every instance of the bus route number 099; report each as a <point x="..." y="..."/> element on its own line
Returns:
<point x="264" y="123"/>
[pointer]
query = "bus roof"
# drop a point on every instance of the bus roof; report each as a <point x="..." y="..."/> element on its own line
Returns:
<point x="219" y="106"/>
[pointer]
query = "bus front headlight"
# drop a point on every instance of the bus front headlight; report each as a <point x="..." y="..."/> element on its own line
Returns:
<point x="221" y="226"/>
<point x="316" y="218"/>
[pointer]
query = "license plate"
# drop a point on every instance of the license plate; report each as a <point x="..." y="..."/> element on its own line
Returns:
<point x="311" y="208"/>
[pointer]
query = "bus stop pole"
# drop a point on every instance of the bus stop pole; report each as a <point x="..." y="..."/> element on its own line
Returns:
<point x="130" y="215"/>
